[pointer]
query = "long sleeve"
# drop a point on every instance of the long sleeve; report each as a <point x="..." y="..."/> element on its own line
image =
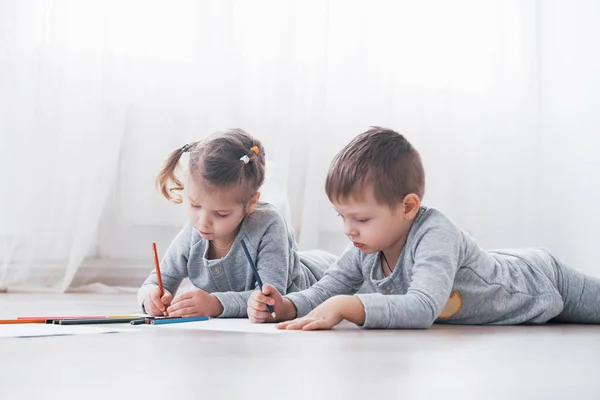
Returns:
<point x="173" y="267"/>
<point x="272" y="259"/>
<point x="435" y="265"/>
<point x="344" y="277"/>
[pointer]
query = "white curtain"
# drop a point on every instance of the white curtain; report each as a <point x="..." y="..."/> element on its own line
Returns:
<point x="500" y="97"/>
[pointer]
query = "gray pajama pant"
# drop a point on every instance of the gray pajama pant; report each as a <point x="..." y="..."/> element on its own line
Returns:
<point x="580" y="293"/>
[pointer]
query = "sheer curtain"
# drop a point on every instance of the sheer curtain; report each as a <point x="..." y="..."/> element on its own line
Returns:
<point x="61" y="124"/>
<point x="499" y="97"/>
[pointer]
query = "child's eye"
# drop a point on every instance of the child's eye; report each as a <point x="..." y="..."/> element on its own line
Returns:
<point x="362" y="220"/>
<point x="222" y="215"/>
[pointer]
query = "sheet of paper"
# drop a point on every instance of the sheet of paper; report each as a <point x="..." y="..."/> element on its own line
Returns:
<point x="37" y="330"/>
<point x="224" y="325"/>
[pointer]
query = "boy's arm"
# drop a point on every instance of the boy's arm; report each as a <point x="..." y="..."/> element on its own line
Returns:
<point x="173" y="267"/>
<point x="232" y="303"/>
<point x="436" y="263"/>
<point x="272" y="260"/>
<point x="345" y="276"/>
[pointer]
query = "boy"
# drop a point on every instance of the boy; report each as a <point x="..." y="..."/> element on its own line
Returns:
<point x="416" y="265"/>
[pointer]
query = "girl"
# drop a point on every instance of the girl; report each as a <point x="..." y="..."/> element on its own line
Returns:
<point x="225" y="173"/>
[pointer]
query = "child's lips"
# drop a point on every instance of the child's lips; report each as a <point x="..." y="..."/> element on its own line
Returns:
<point x="359" y="245"/>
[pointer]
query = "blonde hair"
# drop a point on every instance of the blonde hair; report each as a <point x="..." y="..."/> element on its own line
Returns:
<point x="219" y="160"/>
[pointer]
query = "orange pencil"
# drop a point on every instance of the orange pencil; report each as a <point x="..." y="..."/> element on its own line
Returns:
<point x="157" y="268"/>
<point x="22" y="321"/>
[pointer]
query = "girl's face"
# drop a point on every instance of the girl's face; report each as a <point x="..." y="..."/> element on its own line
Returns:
<point x="216" y="213"/>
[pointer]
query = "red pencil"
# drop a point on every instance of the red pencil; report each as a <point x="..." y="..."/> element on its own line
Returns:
<point x="157" y="268"/>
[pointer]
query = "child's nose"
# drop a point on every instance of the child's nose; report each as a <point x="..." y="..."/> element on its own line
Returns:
<point x="350" y="231"/>
<point x="204" y="222"/>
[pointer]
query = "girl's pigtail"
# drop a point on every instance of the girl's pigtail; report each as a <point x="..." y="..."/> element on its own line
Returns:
<point x="167" y="175"/>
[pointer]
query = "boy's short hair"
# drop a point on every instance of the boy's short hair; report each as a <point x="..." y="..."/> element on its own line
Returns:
<point x="381" y="158"/>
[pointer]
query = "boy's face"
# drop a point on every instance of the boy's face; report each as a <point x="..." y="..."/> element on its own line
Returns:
<point x="371" y="226"/>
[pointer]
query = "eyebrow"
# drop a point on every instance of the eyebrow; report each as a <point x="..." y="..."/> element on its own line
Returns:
<point x="350" y="214"/>
<point x="219" y="211"/>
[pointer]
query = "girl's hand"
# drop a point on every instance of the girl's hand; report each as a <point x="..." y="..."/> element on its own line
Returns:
<point x="154" y="304"/>
<point x="195" y="303"/>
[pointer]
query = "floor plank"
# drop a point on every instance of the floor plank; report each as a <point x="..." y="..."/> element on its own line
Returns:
<point x="522" y="362"/>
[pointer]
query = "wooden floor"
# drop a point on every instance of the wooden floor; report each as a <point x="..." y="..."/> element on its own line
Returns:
<point x="548" y="362"/>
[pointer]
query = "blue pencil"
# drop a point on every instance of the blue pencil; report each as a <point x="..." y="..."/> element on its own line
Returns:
<point x="258" y="280"/>
<point x="177" y="320"/>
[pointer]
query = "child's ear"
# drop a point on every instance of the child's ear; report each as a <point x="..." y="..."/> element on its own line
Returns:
<point x="252" y="203"/>
<point x="412" y="204"/>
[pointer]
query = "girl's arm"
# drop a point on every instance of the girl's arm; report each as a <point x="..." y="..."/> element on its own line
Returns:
<point x="173" y="267"/>
<point x="271" y="255"/>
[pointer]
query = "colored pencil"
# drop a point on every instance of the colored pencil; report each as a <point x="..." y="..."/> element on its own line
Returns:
<point x="158" y="274"/>
<point x="163" y="321"/>
<point x="51" y="320"/>
<point x="21" y="321"/>
<point x="146" y="320"/>
<point x="258" y="280"/>
<point x="90" y="321"/>
<point x="65" y="317"/>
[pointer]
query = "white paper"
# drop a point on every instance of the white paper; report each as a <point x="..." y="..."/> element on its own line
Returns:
<point x="36" y="330"/>
<point x="224" y="325"/>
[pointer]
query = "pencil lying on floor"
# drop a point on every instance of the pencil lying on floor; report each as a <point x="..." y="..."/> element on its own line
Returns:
<point x="66" y="317"/>
<point x="258" y="280"/>
<point x="21" y="321"/>
<point x="52" y="319"/>
<point x="146" y="320"/>
<point x="94" y="321"/>
<point x="163" y="321"/>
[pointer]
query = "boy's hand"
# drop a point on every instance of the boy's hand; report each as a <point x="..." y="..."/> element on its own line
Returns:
<point x="257" y="305"/>
<point x="195" y="303"/>
<point x="156" y="305"/>
<point x="329" y="314"/>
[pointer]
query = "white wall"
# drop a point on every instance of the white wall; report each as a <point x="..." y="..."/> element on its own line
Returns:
<point x="500" y="97"/>
<point x="568" y="216"/>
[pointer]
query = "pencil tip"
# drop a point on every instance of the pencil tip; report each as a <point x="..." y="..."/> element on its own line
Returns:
<point x="273" y="315"/>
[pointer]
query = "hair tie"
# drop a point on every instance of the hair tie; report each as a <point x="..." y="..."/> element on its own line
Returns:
<point x="245" y="158"/>
<point x="185" y="148"/>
